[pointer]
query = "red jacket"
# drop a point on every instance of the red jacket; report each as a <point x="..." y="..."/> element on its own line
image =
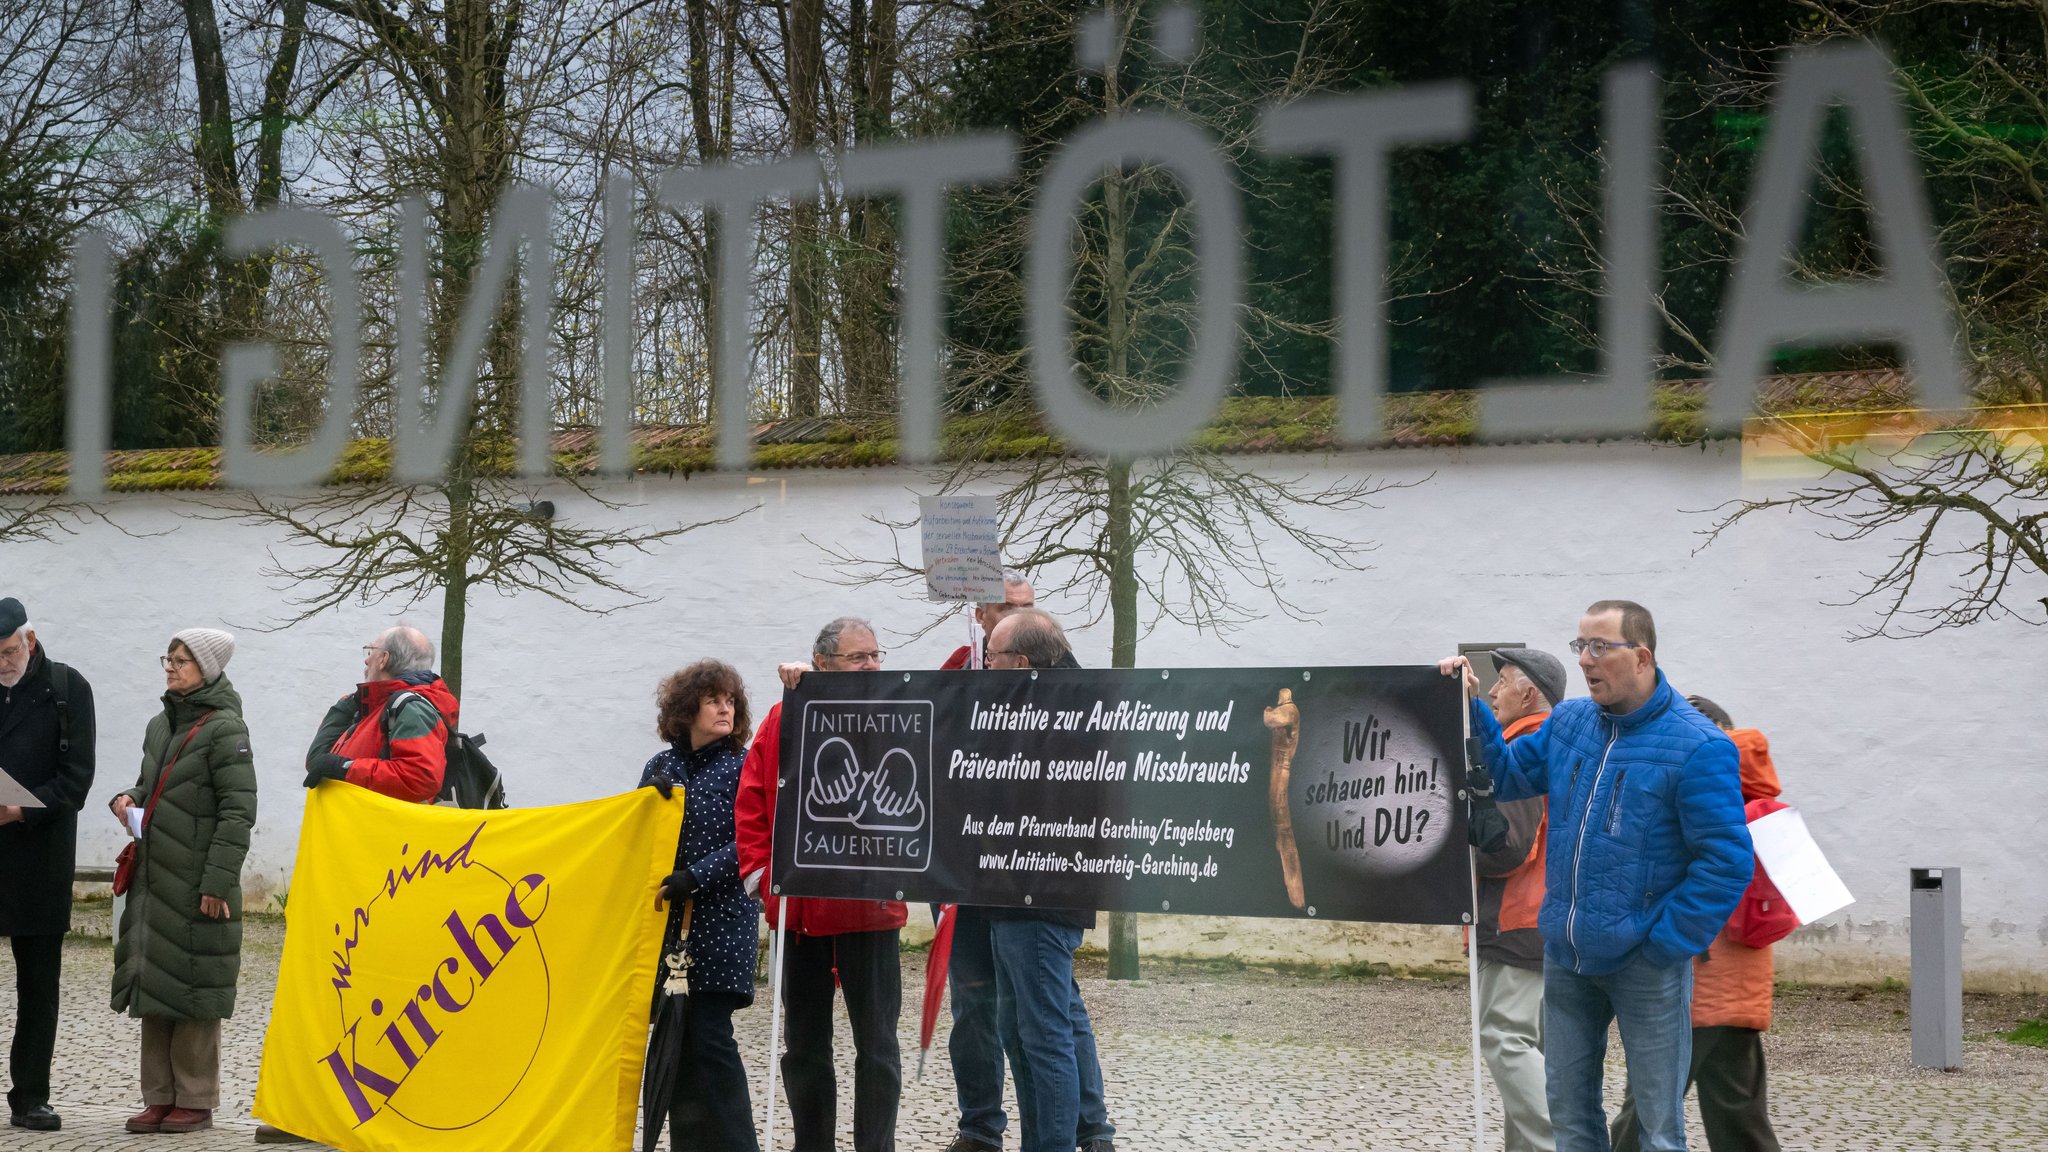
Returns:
<point x="418" y="741"/>
<point x="1732" y="981"/>
<point x="754" y="830"/>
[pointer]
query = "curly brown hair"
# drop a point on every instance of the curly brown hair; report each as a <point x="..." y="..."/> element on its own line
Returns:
<point x="682" y="695"/>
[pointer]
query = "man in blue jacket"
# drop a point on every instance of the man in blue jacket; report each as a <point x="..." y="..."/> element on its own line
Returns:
<point x="1648" y="854"/>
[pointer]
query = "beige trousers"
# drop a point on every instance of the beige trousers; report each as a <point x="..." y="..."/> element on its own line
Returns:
<point x="181" y="1062"/>
<point x="1511" y="1040"/>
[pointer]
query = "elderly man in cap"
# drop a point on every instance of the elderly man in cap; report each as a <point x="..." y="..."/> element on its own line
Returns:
<point x="46" y="746"/>
<point x="1530" y="683"/>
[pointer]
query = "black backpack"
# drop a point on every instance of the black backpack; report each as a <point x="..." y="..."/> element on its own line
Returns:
<point x="471" y="780"/>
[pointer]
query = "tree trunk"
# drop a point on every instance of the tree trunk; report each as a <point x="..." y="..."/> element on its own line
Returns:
<point x="710" y="149"/>
<point x="1123" y="653"/>
<point x="213" y="147"/>
<point x="867" y="317"/>
<point x="269" y="188"/>
<point x="1123" y="572"/>
<point x="277" y="91"/>
<point x="806" y="66"/>
<point x="456" y="542"/>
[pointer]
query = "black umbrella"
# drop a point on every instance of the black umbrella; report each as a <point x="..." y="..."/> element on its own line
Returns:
<point x="665" y="1040"/>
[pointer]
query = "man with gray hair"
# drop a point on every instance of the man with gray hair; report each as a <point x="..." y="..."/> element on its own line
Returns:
<point x="1017" y="593"/>
<point x="1040" y="1017"/>
<point x="47" y="742"/>
<point x="858" y="941"/>
<point x="391" y="734"/>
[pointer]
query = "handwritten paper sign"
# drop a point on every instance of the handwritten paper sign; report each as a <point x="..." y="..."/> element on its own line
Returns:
<point x="963" y="559"/>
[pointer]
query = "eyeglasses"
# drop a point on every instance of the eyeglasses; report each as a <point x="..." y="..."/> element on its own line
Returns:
<point x="860" y="657"/>
<point x="173" y="663"/>
<point x="1600" y="648"/>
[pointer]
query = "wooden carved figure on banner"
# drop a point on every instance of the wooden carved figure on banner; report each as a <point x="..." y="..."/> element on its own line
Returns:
<point x="1285" y="721"/>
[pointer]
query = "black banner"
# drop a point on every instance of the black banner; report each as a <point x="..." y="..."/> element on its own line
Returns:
<point x="1325" y="792"/>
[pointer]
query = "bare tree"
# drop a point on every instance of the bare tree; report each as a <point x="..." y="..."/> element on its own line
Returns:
<point x="366" y="544"/>
<point x="1959" y="504"/>
<point x="465" y="104"/>
<point x="1139" y="540"/>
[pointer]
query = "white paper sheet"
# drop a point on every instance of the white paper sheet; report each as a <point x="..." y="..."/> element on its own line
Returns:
<point x="14" y="795"/>
<point x="1795" y="864"/>
<point x="135" y="821"/>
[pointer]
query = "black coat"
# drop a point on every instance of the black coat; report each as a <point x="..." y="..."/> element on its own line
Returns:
<point x="39" y="852"/>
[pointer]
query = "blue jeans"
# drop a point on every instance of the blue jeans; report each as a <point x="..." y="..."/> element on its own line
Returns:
<point x="1046" y="1032"/>
<point x="975" y="1045"/>
<point x="1654" y="1008"/>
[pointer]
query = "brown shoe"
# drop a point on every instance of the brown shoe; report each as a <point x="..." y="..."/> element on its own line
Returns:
<point x="186" y="1120"/>
<point x="150" y="1119"/>
<point x="272" y="1134"/>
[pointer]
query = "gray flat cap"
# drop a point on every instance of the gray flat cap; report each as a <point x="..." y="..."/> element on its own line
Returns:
<point x="1540" y="667"/>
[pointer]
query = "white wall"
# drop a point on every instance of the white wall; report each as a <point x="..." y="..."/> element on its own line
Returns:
<point x="1902" y="753"/>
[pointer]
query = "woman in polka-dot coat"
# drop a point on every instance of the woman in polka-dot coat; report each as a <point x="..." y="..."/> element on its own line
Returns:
<point x="703" y="716"/>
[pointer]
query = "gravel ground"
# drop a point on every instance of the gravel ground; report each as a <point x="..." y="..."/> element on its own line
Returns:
<point x="1211" y="1056"/>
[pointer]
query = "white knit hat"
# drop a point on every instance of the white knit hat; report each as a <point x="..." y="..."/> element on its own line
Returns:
<point x="212" y="647"/>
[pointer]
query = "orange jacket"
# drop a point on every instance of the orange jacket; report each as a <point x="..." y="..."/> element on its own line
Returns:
<point x="1524" y="895"/>
<point x="1732" y="982"/>
<point x="1511" y="878"/>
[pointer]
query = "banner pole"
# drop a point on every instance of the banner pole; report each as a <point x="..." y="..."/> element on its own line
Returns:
<point x="776" y="945"/>
<point x="973" y="641"/>
<point x="1472" y="946"/>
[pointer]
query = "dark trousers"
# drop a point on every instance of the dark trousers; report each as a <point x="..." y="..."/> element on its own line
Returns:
<point x="711" y="1111"/>
<point x="870" y="973"/>
<point x="37" y="961"/>
<point x="974" y="1045"/>
<point x="1728" y="1067"/>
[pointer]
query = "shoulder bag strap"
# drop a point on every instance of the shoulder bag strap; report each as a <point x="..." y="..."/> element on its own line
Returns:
<point x="165" y="775"/>
<point x="398" y="700"/>
<point x="60" y="692"/>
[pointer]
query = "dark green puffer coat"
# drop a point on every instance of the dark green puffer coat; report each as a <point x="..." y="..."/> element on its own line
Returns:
<point x="172" y="960"/>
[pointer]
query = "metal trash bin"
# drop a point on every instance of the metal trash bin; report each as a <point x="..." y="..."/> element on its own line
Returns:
<point x="1936" y="904"/>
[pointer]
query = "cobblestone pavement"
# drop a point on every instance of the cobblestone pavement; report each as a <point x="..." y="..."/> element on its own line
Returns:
<point x="1200" y="1059"/>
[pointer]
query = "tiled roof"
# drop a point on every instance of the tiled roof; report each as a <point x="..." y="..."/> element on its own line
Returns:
<point x="1244" y="425"/>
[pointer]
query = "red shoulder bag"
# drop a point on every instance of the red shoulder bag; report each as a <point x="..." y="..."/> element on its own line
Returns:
<point x="124" y="864"/>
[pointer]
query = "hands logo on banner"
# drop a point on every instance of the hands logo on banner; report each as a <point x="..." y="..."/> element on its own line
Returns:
<point x="881" y="799"/>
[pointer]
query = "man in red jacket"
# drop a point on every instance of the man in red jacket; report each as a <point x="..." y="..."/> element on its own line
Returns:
<point x="856" y="940"/>
<point x="1017" y="593"/>
<point x="391" y="734"/>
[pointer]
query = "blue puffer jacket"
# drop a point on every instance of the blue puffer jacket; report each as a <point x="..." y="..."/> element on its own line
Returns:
<point x="1648" y="849"/>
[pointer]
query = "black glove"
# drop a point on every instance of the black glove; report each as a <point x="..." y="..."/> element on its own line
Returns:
<point x="1485" y="827"/>
<point x="660" y="784"/>
<point x="325" y="766"/>
<point x="680" y="886"/>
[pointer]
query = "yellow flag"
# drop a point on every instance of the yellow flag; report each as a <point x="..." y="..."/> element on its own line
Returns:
<point x="457" y="980"/>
